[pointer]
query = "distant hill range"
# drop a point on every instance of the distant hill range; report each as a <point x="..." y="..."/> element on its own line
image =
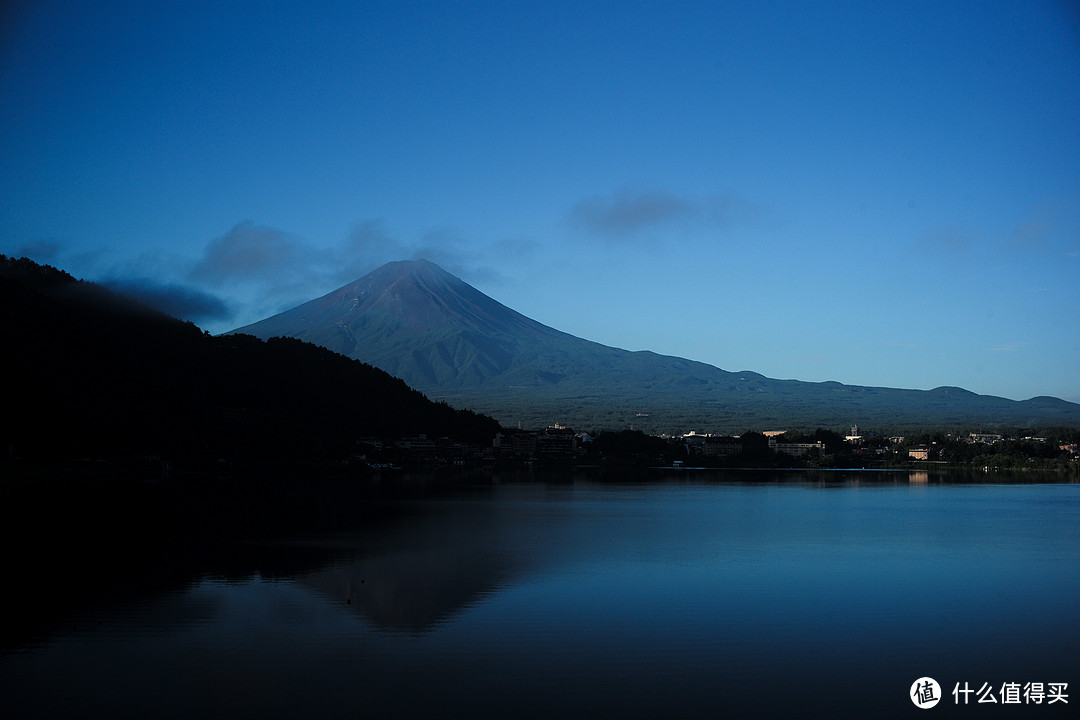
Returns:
<point x="442" y="336"/>
<point x="92" y="374"/>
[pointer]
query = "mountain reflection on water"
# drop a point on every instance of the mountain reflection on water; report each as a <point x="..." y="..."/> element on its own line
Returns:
<point x="750" y="594"/>
<point x="422" y="572"/>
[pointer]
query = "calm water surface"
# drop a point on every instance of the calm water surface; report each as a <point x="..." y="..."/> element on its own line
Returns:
<point x="720" y="594"/>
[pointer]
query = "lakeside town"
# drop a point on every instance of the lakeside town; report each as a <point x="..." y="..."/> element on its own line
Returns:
<point x="1057" y="449"/>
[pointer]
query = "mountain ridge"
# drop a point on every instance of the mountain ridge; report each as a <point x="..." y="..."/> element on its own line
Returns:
<point x="454" y="343"/>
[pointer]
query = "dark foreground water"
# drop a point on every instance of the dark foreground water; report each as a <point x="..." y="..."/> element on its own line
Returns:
<point x="698" y="595"/>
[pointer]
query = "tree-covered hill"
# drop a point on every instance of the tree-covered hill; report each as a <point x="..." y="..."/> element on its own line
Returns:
<point x="88" y="373"/>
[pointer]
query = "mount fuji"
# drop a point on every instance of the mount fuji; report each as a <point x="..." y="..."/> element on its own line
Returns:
<point x="454" y="343"/>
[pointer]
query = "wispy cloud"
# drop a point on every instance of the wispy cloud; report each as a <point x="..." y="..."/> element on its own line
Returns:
<point x="250" y="251"/>
<point x="82" y="262"/>
<point x="42" y="251"/>
<point x="130" y="277"/>
<point x="367" y="245"/>
<point x="266" y="270"/>
<point x="1032" y="234"/>
<point x="1008" y="347"/>
<point x="252" y="270"/>
<point x="370" y="244"/>
<point x="948" y="238"/>
<point x="1051" y="224"/>
<point x="442" y="246"/>
<point x="628" y="213"/>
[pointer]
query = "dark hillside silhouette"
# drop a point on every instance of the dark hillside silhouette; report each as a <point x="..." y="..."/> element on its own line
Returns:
<point x="89" y="373"/>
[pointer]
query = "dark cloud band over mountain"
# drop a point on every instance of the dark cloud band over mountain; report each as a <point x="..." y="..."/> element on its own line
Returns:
<point x="177" y="300"/>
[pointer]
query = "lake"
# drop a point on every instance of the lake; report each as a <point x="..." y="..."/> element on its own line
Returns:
<point x="671" y="594"/>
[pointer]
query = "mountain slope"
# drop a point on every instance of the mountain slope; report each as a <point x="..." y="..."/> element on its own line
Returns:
<point x="444" y="337"/>
<point x="415" y="320"/>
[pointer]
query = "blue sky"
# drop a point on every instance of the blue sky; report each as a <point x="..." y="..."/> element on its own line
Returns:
<point x="874" y="193"/>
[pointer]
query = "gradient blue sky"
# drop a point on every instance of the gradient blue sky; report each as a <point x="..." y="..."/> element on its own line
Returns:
<point x="874" y="193"/>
